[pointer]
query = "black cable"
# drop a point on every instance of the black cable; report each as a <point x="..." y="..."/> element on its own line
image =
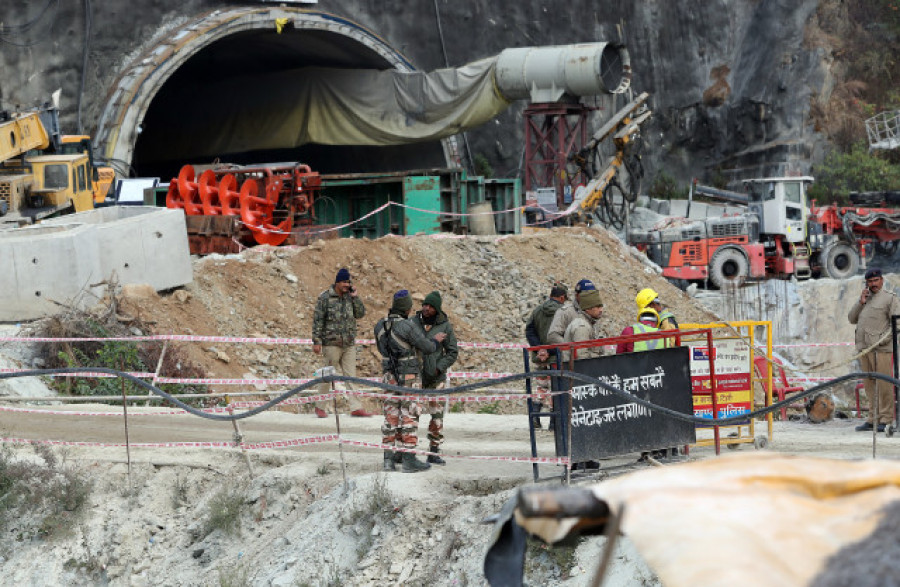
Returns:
<point x="23" y="28"/>
<point x="734" y="420"/>
<point x="85" y="48"/>
<point x="437" y="16"/>
<point x="42" y="38"/>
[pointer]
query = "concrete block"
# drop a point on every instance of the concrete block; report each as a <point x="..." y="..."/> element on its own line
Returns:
<point x="58" y="260"/>
<point x="678" y="208"/>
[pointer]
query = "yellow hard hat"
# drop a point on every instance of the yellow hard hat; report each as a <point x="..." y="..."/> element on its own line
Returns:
<point x="644" y="297"/>
<point x="648" y="312"/>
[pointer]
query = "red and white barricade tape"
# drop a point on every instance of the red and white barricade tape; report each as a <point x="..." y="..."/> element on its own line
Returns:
<point x="289" y="443"/>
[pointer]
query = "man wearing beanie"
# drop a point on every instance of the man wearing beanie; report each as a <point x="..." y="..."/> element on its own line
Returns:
<point x="586" y="324"/>
<point x="334" y="332"/>
<point x="400" y="341"/>
<point x="432" y="319"/>
<point x="564" y="316"/>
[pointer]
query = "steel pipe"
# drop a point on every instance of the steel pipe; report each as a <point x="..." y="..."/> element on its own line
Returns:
<point x="546" y="74"/>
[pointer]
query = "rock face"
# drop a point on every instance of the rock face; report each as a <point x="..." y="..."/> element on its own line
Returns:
<point x="730" y="80"/>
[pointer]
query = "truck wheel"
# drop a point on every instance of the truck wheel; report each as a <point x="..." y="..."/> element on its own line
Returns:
<point x="886" y="249"/>
<point x="728" y="268"/>
<point x="840" y="261"/>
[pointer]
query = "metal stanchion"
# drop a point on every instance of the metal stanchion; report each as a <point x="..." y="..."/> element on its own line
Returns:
<point x="324" y="372"/>
<point x="125" y="416"/>
<point x="239" y="436"/>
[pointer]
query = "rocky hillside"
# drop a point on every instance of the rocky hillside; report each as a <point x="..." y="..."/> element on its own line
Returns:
<point x="741" y="85"/>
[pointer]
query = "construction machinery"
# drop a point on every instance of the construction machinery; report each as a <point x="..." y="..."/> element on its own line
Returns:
<point x="103" y="177"/>
<point x="779" y="234"/>
<point x="228" y="203"/>
<point x="36" y="187"/>
<point x="615" y="180"/>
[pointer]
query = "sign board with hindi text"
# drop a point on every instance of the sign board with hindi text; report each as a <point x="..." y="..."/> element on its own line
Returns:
<point x="731" y="358"/>
<point x="605" y="424"/>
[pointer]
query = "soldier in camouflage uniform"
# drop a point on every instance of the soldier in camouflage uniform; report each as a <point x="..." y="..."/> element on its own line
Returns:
<point x="334" y="331"/>
<point x="401" y="341"/>
<point x="433" y="321"/>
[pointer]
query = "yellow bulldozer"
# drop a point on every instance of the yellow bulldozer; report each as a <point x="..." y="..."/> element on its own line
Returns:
<point x="40" y="176"/>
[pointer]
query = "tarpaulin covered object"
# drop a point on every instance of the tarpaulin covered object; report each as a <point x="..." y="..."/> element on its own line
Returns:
<point x="337" y="107"/>
<point x="785" y="521"/>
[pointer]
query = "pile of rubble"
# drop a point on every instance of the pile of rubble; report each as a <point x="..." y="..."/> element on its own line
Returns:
<point x="489" y="286"/>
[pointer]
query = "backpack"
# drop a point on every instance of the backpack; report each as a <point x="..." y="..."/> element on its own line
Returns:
<point x="383" y="337"/>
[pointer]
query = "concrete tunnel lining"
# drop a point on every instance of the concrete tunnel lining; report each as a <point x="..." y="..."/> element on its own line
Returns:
<point x="222" y="43"/>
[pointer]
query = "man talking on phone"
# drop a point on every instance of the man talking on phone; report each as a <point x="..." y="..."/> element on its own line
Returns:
<point x="334" y="332"/>
<point x="872" y="316"/>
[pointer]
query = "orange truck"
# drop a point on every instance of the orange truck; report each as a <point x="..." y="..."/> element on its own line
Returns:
<point x="778" y="235"/>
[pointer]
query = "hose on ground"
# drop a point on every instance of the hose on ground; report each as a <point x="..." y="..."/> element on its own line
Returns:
<point x="580" y="377"/>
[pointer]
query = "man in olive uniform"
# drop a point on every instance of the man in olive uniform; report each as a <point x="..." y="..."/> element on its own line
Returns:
<point x="586" y="324"/>
<point x="564" y="316"/>
<point x="433" y="321"/>
<point x="872" y="316"/>
<point x="334" y="332"/>
<point x="536" y="333"/>
<point x="400" y="342"/>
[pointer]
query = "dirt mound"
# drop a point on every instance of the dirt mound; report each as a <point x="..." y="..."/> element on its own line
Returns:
<point x="489" y="285"/>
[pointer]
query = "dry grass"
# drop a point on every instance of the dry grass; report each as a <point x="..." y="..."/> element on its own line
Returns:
<point x="40" y="497"/>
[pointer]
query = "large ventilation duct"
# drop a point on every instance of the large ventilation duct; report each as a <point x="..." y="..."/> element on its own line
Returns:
<point x="547" y="74"/>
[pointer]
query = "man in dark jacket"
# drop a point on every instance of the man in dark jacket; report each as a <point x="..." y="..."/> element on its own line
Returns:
<point x="433" y="321"/>
<point x="401" y="341"/>
<point x="334" y="331"/>
<point x="536" y="333"/>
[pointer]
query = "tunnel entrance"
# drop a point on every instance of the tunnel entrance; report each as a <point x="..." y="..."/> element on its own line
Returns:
<point x="168" y="107"/>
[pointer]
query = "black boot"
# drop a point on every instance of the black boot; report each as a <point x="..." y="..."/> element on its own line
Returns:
<point x="389" y="461"/>
<point x="413" y="465"/>
<point x="535" y="421"/>
<point x="435" y="459"/>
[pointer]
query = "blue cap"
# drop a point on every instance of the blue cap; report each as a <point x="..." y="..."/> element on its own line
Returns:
<point x="342" y="275"/>
<point x="402" y="302"/>
<point x="584" y="285"/>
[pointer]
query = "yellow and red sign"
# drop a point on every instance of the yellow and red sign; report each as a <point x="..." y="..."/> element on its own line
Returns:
<point x="731" y="360"/>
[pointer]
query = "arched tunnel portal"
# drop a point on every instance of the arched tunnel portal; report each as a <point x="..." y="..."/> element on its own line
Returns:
<point x="164" y="109"/>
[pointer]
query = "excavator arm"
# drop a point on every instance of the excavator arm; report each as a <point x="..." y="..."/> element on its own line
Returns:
<point x="622" y="128"/>
<point x="20" y="133"/>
